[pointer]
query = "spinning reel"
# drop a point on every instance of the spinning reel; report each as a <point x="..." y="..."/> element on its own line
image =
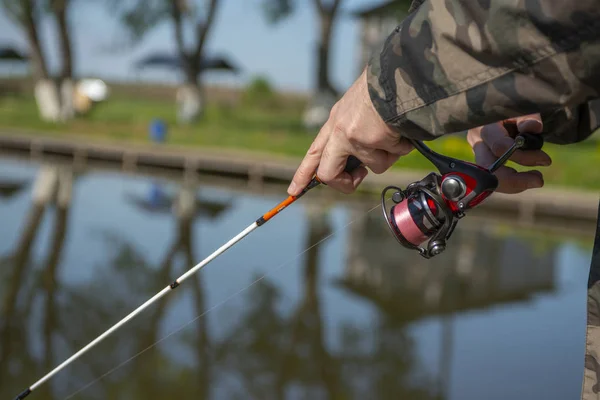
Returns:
<point x="428" y="210"/>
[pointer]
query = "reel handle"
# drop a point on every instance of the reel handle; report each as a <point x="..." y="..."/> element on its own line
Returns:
<point x="523" y="141"/>
<point x="533" y="141"/>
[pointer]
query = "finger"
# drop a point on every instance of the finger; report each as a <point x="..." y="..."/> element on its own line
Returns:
<point x="496" y="138"/>
<point x="358" y="175"/>
<point x="309" y="164"/>
<point x="530" y="123"/>
<point x="333" y="161"/>
<point x="474" y="136"/>
<point x="383" y="161"/>
<point x="331" y="169"/>
<point x="509" y="180"/>
<point x="376" y="160"/>
<point x="398" y="146"/>
<point x="380" y="159"/>
<point x="483" y="155"/>
<point x="512" y="182"/>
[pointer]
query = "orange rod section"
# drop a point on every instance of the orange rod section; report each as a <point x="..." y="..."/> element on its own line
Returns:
<point x="279" y="207"/>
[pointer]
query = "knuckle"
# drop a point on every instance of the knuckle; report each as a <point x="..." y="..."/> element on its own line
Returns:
<point x="302" y="174"/>
<point x="338" y="129"/>
<point x="313" y="150"/>
<point x="354" y="136"/>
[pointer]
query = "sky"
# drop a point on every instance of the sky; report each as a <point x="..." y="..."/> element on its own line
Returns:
<point x="283" y="52"/>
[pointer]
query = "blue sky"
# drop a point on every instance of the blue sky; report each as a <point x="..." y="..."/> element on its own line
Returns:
<point x="284" y="52"/>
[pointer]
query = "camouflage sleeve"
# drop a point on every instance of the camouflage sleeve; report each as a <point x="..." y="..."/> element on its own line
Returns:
<point x="571" y="124"/>
<point x="453" y="65"/>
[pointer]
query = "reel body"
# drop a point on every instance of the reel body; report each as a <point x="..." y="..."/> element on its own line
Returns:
<point x="429" y="210"/>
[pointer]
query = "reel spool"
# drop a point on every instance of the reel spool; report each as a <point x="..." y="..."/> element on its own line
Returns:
<point x="429" y="210"/>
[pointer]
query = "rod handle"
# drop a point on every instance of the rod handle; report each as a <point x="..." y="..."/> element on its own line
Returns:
<point x="352" y="163"/>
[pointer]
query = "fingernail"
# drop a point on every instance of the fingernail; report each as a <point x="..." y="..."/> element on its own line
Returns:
<point x="543" y="163"/>
<point x="292" y="188"/>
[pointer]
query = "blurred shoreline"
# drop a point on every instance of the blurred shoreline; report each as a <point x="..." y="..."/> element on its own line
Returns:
<point x="253" y="122"/>
<point x="265" y="171"/>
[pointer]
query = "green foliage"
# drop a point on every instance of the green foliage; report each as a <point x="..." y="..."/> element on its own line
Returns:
<point x="399" y="8"/>
<point x="140" y="17"/>
<point x="260" y="86"/>
<point x="259" y="92"/>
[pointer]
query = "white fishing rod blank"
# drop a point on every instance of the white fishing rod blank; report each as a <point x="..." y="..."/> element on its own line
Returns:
<point x="351" y="164"/>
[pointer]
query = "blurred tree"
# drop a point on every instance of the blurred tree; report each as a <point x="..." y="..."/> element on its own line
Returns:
<point x="327" y="11"/>
<point x="325" y="94"/>
<point x="53" y="95"/>
<point x="196" y="16"/>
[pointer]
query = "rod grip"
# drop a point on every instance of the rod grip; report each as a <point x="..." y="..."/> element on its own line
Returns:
<point x="352" y="163"/>
<point x="23" y="394"/>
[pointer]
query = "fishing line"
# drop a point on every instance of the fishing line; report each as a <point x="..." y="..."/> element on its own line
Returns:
<point x="351" y="164"/>
<point x="423" y="218"/>
<point x="182" y="327"/>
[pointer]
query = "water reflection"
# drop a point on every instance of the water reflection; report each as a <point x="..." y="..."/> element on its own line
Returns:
<point x="479" y="269"/>
<point x="353" y="317"/>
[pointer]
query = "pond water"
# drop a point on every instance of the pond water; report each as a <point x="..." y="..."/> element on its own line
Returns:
<point x="500" y="315"/>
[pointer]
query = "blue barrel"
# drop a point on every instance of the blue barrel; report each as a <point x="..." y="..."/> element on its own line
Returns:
<point x="158" y="131"/>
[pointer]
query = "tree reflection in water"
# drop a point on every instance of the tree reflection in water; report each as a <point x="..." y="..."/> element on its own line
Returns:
<point x="28" y="281"/>
<point x="268" y="353"/>
<point x="274" y="356"/>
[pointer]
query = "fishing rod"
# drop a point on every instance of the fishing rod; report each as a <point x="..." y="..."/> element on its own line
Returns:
<point x="428" y="210"/>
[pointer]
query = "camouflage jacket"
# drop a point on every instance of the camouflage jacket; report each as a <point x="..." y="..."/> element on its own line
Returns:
<point x="453" y="65"/>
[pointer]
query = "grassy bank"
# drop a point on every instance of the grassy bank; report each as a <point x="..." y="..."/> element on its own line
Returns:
<point x="275" y="129"/>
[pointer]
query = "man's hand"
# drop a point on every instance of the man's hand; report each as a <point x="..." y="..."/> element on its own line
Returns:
<point x="491" y="141"/>
<point x="354" y="128"/>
